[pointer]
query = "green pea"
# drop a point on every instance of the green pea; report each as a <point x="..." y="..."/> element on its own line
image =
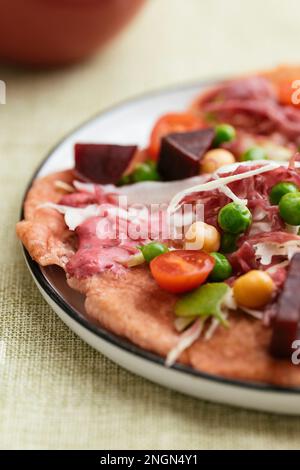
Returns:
<point x="255" y="153"/>
<point x="234" y="218"/>
<point x="223" y="133"/>
<point x="222" y="269"/>
<point x="152" y="250"/>
<point x="145" y="172"/>
<point x="289" y="208"/>
<point x="228" y="242"/>
<point x="280" y="189"/>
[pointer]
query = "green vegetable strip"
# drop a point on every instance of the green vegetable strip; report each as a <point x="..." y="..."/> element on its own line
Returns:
<point x="204" y="302"/>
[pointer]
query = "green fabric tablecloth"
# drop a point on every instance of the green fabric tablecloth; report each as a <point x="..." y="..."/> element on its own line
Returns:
<point x="55" y="391"/>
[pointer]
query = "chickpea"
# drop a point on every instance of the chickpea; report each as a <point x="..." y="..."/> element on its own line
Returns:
<point x="214" y="159"/>
<point x="202" y="236"/>
<point x="253" y="289"/>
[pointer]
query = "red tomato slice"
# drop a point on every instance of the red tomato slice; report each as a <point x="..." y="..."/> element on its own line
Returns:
<point x="181" y="270"/>
<point x="168" y="123"/>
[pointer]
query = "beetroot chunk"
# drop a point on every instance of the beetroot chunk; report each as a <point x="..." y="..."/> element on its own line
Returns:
<point x="103" y="163"/>
<point x="181" y="153"/>
<point x="286" y="322"/>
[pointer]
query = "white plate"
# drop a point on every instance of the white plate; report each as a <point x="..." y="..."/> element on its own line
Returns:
<point x="130" y="123"/>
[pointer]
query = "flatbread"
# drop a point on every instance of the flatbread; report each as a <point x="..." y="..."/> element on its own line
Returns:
<point x="134" y="307"/>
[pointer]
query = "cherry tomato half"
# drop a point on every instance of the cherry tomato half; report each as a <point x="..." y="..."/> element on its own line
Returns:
<point x="168" y="123"/>
<point x="181" y="270"/>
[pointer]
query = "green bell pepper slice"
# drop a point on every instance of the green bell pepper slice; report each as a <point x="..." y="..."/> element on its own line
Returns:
<point x="206" y="301"/>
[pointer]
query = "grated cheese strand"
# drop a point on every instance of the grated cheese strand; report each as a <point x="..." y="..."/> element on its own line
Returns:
<point x="218" y="183"/>
<point x="185" y="341"/>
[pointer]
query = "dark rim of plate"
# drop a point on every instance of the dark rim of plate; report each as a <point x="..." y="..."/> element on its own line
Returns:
<point x="112" y="338"/>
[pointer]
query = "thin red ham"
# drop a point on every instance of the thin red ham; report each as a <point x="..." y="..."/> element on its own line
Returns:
<point x="251" y="104"/>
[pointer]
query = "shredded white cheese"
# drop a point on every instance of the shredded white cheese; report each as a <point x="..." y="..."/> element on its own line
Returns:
<point x="185" y="341"/>
<point x="74" y="216"/>
<point x="258" y="314"/>
<point x="266" y="250"/>
<point x="214" y="325"/>
<point x="221" y="182"/>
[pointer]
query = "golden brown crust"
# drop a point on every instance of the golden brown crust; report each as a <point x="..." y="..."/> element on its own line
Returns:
<point x="43" y="231"/>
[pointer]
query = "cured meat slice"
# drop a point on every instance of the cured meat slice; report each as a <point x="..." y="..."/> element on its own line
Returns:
<point x="43" y="231"/>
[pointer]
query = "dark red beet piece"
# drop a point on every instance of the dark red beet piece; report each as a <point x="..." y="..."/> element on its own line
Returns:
<point x="286" y="321"/>
<point x="180" y="153"/>
<point x="103" y="163"/>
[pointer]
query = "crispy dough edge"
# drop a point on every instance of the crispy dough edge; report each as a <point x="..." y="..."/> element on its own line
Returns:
<point x="43" y="231"/>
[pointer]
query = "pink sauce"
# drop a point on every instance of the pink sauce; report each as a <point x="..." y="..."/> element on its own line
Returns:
<point x="95" y="255"/>
<point x="105" y="242"/>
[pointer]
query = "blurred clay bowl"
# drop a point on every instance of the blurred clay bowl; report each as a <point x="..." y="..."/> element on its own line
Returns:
<point x="59" y="32"/>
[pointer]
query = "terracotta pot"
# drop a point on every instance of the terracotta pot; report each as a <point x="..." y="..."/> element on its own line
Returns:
<point x="58" y="32"/>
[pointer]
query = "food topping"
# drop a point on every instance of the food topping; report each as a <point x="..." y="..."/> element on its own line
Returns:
<point x="253" y="289"/>
<point x="185" y="341"/>
<point x="181" y="153"/>
<point x="152" y="250"/>
<point x="206" y="301"/>
<point x="224" y="133"/>
<point x="181" y="270"/>
<point x="222" y="269"/>
<point x="103" y="163"/>
<point x="266" y="250"/>
<point x="215" y="159"/>
<point x="250" y="104"/>
<point x="74" y="216"/>
<point x="169" y="124"/>
<point x="233" y="176"/>
<point x="234" y="218"/>
<point x="202" y="236"/>
<point x="209" y="302"/>
<point x="280" y="189"/>
<point x="286" y="322"/>
<point x="289" y="208"/>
